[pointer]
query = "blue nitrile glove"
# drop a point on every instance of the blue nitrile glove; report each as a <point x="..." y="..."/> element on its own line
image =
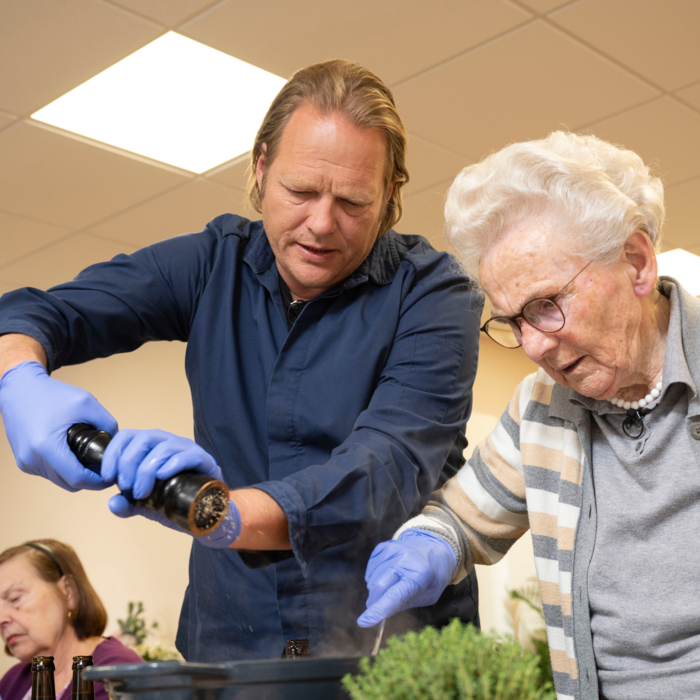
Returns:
<point x="37" y="411"/>
<point x="410" y="572"/>
<point x="224" y="535"/>
<point x="136" y="458"/>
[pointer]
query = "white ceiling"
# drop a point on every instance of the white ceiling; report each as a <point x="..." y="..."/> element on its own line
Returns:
<point x="469" y="76"/>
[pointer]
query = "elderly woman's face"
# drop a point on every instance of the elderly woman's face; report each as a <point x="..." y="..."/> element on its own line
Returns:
<point x="594" y="352"/>
<point x="33" y="612"/>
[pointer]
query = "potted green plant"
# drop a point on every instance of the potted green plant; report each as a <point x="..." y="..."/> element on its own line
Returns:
<point x="455" y="663"/>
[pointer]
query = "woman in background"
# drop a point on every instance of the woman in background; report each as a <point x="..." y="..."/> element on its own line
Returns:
<point x="49" y="608"/>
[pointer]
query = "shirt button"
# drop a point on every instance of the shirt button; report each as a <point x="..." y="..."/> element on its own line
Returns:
<point x="695" y="431"/>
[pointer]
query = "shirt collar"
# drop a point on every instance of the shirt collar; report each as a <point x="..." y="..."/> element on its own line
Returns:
<point x="380" y="266"/>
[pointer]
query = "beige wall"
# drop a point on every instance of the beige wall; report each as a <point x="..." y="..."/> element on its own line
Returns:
<point x="139" y="560"/>
<point x="132" y="559"/>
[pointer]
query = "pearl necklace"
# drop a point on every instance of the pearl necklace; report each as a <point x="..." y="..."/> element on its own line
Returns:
<point x="636" y="405"/>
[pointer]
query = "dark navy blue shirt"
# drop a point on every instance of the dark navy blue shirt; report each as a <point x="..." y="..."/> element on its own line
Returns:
<point x="347" y="419"/>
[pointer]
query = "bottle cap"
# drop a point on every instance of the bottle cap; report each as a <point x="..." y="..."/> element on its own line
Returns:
<point x="82" y="662"/>
<point x="42" y="663"/>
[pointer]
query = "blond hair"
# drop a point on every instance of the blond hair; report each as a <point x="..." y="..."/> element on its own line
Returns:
<point x="361" y="97"/>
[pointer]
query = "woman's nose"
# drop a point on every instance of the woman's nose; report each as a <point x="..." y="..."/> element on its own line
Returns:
<point x="536" y="343"/>
<point x="4" y="614"/>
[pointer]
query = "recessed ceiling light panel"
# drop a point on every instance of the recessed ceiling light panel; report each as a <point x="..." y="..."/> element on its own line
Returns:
<point x="175" y="100"/>
<point x="683" y="266"/>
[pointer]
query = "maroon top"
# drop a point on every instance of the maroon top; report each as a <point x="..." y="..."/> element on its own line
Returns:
<point x="18" y="680"/>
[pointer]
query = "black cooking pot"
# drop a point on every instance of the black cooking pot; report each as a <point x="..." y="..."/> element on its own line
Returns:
<point x="284" y="679"/>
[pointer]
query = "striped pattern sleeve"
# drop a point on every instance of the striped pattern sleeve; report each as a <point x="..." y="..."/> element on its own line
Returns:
<point x="482" y="510"/>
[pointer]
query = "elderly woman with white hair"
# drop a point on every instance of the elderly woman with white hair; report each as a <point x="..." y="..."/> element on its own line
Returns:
<point x="598" y="452"/>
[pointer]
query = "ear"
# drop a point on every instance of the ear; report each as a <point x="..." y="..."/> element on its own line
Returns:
<point x="260" y="167"/>
<point x="67" y="587"/>
<point x="389" y="191"/>
<point x="638" y="251"/>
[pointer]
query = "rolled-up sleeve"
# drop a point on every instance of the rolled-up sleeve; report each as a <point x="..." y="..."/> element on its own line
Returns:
<point x="386" y="468"/>
<point x="116" y="306"/>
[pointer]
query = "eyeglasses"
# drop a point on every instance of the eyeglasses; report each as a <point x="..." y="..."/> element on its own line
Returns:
<point x="543" y="313"/>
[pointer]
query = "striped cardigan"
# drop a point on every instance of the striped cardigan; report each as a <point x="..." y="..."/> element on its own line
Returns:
<point x="530" y="472"/>
<point x="527" y="473"/>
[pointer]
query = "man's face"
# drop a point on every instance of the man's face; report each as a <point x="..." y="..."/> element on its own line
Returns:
<point x="323" y="199"/>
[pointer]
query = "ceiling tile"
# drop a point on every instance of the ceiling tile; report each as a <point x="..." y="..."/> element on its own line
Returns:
<point x="167" y="12"/>
<point x="60" y="262"/>
<point x="544" y="6"/>
<point x="424" y="214"/>
<point x="6" y="119"/>
<point x="658" y="40"/>
<point x="691" y="95"/>
<point x="233" y="174"/>
<point x="665" y="133"/>
<point x="47" y="48"/>
<point x="429" y="164"/>
<point x="682" y="216"/>
<point x="65" y="181"/>
<point x="394" y="38"/>
<point x="182" y="210"/>
<point x="22" y="236"/>
<point x="521" y="87"/>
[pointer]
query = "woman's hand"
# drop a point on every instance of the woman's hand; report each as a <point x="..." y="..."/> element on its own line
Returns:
<point x="410" y="572"/>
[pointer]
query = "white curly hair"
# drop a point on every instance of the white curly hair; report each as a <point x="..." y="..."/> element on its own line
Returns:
<point x="597" y="193"/>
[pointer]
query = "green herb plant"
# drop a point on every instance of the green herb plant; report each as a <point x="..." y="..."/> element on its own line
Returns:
<point x="454" y="663"/>
<point x="529" y="595"/>
<point x="135" y="624"/>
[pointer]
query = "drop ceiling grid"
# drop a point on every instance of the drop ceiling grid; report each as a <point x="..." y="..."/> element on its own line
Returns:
<point x="455" y="117"/>
<point x="394" y="38"/>
<point x="47" y="48"/>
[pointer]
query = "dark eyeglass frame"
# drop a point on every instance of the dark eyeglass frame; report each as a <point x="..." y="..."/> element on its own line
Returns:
<point x="513" y="320"/>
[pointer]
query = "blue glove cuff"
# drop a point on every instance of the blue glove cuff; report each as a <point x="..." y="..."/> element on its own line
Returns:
<point x="425" y="535"/>
<point x="226" y="533"/>
<point x="21" y="367"/>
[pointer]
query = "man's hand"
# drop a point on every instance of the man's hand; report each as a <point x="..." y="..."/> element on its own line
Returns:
<point x="37" y="411"/>
<point x="410" y="572"/>
<point x="136" y="458"/>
